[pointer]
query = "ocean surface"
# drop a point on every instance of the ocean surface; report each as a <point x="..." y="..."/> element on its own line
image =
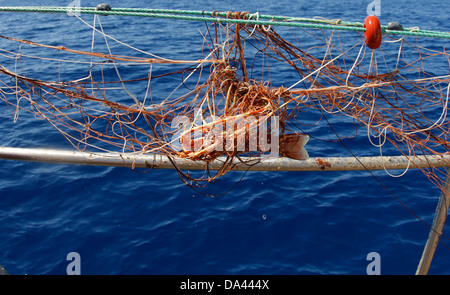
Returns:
<point x="121" y="221"/>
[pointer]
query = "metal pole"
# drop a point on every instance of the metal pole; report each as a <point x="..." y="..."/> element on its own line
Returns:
<point x="436" y="229"/>
<point x="269" y="164"/>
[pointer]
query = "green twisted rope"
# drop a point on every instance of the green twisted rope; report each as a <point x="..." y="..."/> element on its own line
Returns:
<point x="226" y="17"/>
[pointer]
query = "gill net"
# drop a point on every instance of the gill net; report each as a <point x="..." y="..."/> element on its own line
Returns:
<point x="230" y="101"/>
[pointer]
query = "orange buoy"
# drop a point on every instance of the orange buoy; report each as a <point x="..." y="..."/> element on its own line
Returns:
<point x="373" y="32"/>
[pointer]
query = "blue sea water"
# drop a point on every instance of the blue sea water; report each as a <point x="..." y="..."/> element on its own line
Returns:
<point x="124" y="222"/>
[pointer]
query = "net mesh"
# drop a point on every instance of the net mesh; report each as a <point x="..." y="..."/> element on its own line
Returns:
<point x="230" y="103"/>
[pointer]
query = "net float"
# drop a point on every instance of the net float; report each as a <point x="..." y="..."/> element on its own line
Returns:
<point x="373" y="32"/>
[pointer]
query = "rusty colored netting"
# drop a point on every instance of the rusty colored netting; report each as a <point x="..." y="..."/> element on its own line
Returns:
<point x="233" y="108"/>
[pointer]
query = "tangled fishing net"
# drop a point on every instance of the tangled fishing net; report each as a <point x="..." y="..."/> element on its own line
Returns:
<point x="227" y="106"/>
